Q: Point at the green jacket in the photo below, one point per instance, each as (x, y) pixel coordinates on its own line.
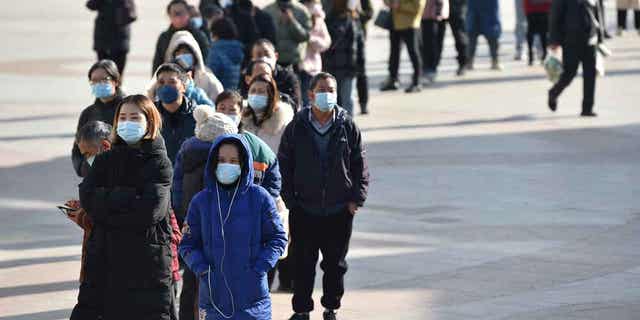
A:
(291, 37)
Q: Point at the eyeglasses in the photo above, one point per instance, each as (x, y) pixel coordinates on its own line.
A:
(105, 80)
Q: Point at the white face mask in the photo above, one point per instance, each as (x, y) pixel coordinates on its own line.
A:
(91, 159)
(235, 118)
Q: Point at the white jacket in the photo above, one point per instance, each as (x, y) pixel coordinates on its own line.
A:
(272, 129)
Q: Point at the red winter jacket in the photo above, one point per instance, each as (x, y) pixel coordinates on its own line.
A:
(176, 237)
(537, 6)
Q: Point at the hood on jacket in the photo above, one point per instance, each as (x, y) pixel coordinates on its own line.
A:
(186, 38)
(233, 49)
(246, 177)
(280, 118)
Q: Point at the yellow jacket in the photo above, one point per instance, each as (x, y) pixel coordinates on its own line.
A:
(408, 14)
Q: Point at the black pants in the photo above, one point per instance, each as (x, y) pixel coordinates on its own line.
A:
(119, 57)
(362, 81)
(311, 235)
(432, 43)
(457, 22)
(410, 38)
(189, 296)
(537, 23)
(572, 56)
(89, 306)
(622, 19)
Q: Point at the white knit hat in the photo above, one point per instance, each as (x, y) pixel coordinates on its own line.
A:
(211, 124)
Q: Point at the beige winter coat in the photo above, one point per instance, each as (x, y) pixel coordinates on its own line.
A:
(271, 130)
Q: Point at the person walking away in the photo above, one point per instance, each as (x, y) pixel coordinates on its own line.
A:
(105, 81)
(537, 24)
(226, 53)
(576, 28)
(406, 24)
(436, 13)
(458, 24)
(178, 11)
(232, 281)
(319, 42)
(112, 29)
(324, 182)
(623, 6)
(293, 24)
(483, 18)
(266, 116)
(183, 46)
(342, 57)
(126, 195)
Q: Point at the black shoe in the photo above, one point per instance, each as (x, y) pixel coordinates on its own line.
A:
(329, 315)
(416, 87)
(588, 114)
(299, 316)
(607, 35)
(461, 71)
(390, 85)
(552, 102)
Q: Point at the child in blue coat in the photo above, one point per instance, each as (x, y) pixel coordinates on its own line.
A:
(232, 236)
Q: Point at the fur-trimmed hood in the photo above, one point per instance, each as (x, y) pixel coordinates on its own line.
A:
(271, 130)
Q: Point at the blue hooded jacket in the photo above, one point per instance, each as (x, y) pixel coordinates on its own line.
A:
(483, 17)
(225, 60)
(237, 253)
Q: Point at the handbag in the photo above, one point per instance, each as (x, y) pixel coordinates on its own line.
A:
(384, 19)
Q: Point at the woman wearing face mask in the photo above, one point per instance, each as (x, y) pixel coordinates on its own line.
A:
(104, 80)
(232, 236)
(127, 197)
(266, 116)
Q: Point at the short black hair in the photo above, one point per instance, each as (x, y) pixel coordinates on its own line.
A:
(224, 29)
(109, 67)
(94, 132)
(321, 76)
(229, 94)
(174, 2)
(172, 67)
(264, 42)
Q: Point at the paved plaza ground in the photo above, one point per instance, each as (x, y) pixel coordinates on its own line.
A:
(483, 204)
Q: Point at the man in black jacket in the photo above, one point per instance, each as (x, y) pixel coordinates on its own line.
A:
(112, 29)
(178, 11)
(576, 27)
(324, 182)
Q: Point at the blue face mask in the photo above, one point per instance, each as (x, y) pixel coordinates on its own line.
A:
(131, 132)
(102, 90)
(167, 94)
(228, 173)
(325, 101)
(257, 102)
(196, 22)
(187, 59)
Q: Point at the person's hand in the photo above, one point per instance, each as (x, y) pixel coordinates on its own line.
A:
(353, 208)
(73, 204)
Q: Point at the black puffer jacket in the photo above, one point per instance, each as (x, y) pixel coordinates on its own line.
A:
(98, 111)
(128, 263)
(347, 42)
(112, 30)
(178, 126)
(305, 184)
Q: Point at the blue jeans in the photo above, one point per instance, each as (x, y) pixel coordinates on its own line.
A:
(521, 25)
(345, 93)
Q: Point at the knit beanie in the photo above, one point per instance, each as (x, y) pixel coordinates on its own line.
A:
(211, 124)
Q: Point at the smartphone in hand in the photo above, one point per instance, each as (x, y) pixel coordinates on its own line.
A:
(65, 209)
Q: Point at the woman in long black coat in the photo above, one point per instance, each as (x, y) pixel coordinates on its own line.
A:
(127, 195)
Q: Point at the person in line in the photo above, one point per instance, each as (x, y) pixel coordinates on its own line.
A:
(127, 196)
(342, 58)
(226, 53)
(483, 18)
(105, 81)
(406, 28)
(324, 181)
(184, 47)
(174, 107)
(434, 18)
(253, 24)
(319, 42)
(293, 24)
(287, 80)
(211, 13)
(575, 26)
(112, 29)
(197, 22)
(194, 93)
(266, 116)
(178, 11)
(623, 6)
(537, 12)
(232, 236)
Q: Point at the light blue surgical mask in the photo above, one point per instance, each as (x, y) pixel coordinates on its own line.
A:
(325, 101)
(228, 173)
(258, 102)
(102, 90)
(235, 118)
(131, 132)
(196, 22)
(187, 59)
